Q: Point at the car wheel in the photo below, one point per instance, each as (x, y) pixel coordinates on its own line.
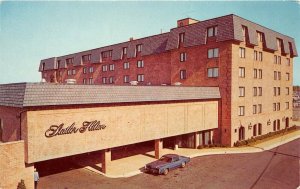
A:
(183, 164)
(166, 171)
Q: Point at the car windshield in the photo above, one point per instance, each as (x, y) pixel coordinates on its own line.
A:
(165, 159)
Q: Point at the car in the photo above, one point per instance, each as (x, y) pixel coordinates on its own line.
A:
(166, 163)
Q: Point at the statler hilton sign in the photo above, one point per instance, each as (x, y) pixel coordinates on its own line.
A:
(55, 130)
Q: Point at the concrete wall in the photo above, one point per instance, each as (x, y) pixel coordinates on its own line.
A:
(124, 125)
(12, 166)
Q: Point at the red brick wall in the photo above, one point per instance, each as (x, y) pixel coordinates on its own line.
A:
(11, 123)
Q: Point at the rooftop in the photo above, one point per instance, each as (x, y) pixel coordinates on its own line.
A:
(45, 94)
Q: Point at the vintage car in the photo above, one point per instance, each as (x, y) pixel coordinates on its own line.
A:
(166, 163)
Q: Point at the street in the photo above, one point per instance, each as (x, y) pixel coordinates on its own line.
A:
(276, 168)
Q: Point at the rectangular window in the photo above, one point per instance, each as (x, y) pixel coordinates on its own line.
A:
(111, 79)
(275, 91)
(139, 48)
(106, 54)
(260, 73)
(182, 57)
(124, 50)
(275, 75)
(213, 53)
(255, 73)
(287, 90)
(126, 65)
(181, 37)
(111, 67)
(259, 108)
(86, 58)
(212, 31)
(242, 52)
(287, 76)
(140, 63)
(254, 109)
(84, 70)
(84, 81)
(275, 59)
(126, 78)
(213, 72)
(279, 59)
(69, 72)
(91, 69)
(90, 81)
(260, 36)
(287, 105)
(241, 111)
(140, 77)
(278, 106)
(259, 91)
(279, 75)
(69, 60)
(182, 74)
(278, 91)
(241, 72)
(241, 91)
(73, 72)
(260, 56)
(254, 91)
(104, 68)
(274, 106)
(104, 80)
(255, 55)
(288, 62)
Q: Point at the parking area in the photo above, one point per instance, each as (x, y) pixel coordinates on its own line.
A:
(276, 168)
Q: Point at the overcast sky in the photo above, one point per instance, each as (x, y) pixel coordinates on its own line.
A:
(31, 31)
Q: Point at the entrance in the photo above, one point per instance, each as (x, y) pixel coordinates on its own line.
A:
(287, 122)
(241, 133)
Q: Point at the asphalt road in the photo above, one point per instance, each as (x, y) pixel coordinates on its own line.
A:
(277, 168)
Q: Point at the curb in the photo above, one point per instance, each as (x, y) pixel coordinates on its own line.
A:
(239, 150)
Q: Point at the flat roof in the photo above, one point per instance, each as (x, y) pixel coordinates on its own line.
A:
(47, 94)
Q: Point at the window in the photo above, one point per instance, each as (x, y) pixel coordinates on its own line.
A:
(90, 81)
(259, 129)
(43, 66)
(126, 65)
(279, 75)
(182, 74)
(275, 91)
(69, 60)
(259, 108)
(124, 51)
(241, 111)
(278, 106)
(275, 59)
(104, 68)
(181, 37)
(260, 73)
(212, 31)
(260, 56)
(255, 73)
(241, 91)
(84, 81)
(111, 79)
(254, 129)
(279, 59)
(126, 78)
(244, 28)
(106, 54)
(275, 75)
(140, 77)
(255, 55)
(254, 109)
(91, 69)
(73, 72)
(140, 63)
(260, 36)
(287, 90)
(58, 64)
(104, 80)
(274, 106)
(241, 72)
(259, 91)
(213, 53)
(69, 72)
(254, 91)
(288, 62)
(86, 58)
(139, 48)
(213, 72)
(84, 70)
(182, 57)
(287, 76)
(111, 67)
(242, 52)
(279, 42)
(287, 105)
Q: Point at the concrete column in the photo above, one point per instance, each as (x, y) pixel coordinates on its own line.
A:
(176, 143)
(197, 139)
(158, 148)
(106, 160)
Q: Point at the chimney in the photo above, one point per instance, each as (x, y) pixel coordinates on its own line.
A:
(131, 39)
(186, 21)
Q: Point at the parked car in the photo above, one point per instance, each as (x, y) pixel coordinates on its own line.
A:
(166, 163)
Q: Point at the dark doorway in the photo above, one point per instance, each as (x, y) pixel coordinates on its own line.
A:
(287, 122)
(254, 130)
(241, 133)
(278, 124)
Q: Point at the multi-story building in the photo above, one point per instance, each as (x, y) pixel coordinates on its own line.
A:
(251, 64)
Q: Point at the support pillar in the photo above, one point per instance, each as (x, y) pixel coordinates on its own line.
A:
(197, 139)
(106, 160)
(158, 148)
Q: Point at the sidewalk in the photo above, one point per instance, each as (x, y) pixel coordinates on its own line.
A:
(133, 165)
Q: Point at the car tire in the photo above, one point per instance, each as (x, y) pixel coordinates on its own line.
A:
(166, 171)
(182, 164)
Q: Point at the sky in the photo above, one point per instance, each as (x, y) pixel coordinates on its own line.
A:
(35, 30)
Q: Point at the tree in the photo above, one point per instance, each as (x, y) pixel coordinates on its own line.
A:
(21, 185)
